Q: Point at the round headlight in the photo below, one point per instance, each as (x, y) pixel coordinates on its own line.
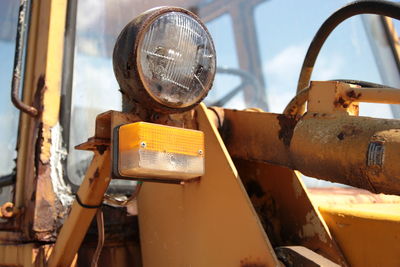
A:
(165, 60)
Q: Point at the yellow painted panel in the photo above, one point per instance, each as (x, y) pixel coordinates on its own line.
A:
(368, 234)
(210, 222)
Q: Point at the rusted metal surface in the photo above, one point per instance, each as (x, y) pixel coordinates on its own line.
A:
(374, 95)
(122, 245)
(92, 189)
(332, 97)
(19, 49)
(346, 96)
(206, 223)
(36, 209)
(249, 262)
(257, 135)
(357, 151)
(91, 192)
(287, 125)
(105, 123)
(285, 210)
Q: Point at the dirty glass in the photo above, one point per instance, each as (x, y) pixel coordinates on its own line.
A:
(260, 47)
(8, 113)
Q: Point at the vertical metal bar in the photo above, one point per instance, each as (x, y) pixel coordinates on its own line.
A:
(91, 192)
(19, 48)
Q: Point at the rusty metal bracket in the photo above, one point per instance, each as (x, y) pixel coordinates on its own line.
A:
(19, 47)
(92, 190)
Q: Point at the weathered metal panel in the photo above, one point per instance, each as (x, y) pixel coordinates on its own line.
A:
(206, 223)
(367, 233)
(286, 212)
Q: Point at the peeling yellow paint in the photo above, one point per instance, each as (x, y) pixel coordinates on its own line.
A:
(45, 145)
(313, 227)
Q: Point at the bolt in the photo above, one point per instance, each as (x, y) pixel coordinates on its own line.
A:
(143, 144)
(6, 210)
(200, 152)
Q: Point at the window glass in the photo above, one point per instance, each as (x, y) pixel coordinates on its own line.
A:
(260, 49)
(8, 113)
(226, 60)
(345, 55)
(95, 89)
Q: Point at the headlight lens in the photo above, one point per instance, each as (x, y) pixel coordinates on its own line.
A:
(177, 60)
(174, 59)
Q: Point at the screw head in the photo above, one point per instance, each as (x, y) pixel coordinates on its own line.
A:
(200, 152)
(143, 144)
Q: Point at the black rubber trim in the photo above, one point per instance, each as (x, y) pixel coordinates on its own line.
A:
(85, 205)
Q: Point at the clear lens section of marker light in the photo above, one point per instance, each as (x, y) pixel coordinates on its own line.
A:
(177, 60)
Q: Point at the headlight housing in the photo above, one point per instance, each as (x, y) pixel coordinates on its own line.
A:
(165, 60)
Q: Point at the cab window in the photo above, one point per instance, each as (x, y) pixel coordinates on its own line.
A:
(9, 115)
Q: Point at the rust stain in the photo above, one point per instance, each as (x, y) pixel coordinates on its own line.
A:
(44, 136)
(340, 102)
(248, 262)
(345, 102)
(101, 149)
(226, 130)
(253, 188)
(95, 176)
(350, 130)
(97, 173)
(340, 136)
(287, 125)
(265, 206)
(313, 227)
(41, 87)
(352, 95)
(297, 189)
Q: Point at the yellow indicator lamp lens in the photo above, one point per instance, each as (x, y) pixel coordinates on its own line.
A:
(147, 150)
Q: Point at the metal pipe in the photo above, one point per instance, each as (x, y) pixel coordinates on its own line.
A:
(19, 48)
(374, 95)
(357, 151)
(384, 8)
